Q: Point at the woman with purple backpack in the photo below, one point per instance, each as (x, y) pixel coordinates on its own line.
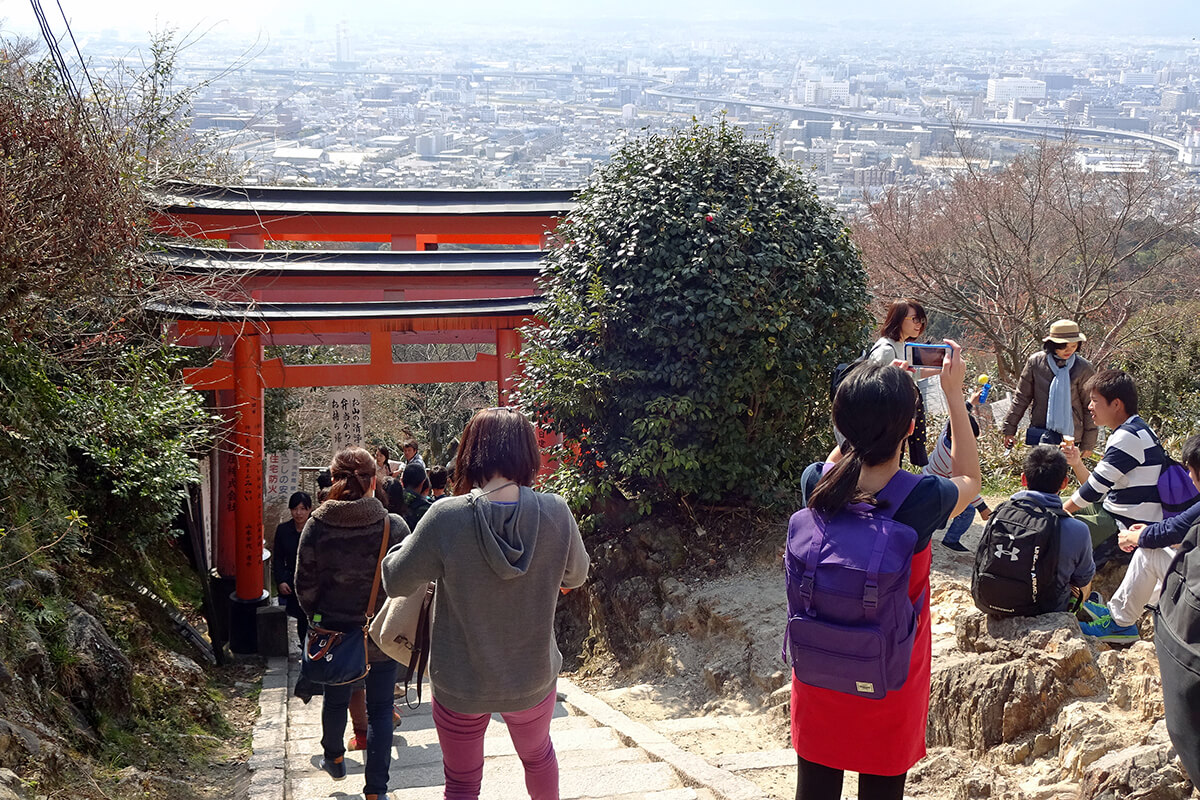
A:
(877, 731)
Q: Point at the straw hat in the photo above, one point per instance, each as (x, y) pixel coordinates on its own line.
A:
(1065, 331)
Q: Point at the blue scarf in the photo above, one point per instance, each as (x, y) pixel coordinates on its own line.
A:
(1058, 410)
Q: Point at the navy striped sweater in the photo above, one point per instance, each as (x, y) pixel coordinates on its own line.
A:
(1126, 479)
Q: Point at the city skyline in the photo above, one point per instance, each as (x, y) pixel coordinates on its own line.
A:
(1174, 18)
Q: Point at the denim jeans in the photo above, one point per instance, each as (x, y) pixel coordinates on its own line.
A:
(461, 739)
(958, 525)
(380, 681)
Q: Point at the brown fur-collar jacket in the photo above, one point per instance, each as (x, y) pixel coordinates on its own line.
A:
(336, 560)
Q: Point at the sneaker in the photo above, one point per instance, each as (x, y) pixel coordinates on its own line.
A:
(957, 547)
(1094, 611)
(357, 742)
(336, 767)
(1106, 630)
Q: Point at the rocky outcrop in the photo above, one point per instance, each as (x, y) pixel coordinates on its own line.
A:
(101, 680)
(1008, 678)
(1147, 770)
(17, 743)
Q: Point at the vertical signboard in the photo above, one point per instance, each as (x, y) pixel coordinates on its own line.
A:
(282, 476)
(345, 410)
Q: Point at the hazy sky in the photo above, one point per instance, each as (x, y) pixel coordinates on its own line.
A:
(1153, 17)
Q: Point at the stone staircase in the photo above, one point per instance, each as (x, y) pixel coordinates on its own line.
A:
(602, 754)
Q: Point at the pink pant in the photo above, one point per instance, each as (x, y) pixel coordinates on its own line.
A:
(461, 738)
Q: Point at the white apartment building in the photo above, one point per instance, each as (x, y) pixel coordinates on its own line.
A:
(826, 93)
(1002, 91)
(1130, 78)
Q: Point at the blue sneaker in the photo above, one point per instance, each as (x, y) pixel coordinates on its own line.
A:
(1108, 631)
(1095, 611)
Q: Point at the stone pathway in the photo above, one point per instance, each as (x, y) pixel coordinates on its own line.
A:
(602, 754)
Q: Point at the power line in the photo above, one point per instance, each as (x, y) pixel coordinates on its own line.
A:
(60, 64)
(83, 67)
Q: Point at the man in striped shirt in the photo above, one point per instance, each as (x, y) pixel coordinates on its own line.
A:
(1121, 492)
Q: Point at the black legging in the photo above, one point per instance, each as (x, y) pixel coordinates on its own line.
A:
(817, 782)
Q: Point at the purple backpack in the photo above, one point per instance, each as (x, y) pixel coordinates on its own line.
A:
(1175, 489)
(851, 626)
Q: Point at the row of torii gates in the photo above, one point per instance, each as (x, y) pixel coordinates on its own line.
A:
(253, 297)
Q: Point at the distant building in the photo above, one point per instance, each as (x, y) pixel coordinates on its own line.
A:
(1129, 78)
(1178, 99)
(826, 93)
(1002, 91)
(344, 54)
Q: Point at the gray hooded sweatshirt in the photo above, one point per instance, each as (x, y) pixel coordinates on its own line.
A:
(498, 567)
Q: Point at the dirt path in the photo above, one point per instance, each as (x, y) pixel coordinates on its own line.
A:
(716, 686)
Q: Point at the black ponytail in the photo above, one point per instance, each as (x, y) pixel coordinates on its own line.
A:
(873, 408)
(838, 487)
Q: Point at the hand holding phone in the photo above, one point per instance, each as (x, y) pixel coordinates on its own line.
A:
(926, 356)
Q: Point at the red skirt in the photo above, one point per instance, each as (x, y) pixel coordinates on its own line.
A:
(878, 737)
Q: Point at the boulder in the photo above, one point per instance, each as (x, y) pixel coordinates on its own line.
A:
(46, 581)
(11, 786)
(1143, 771)
(16, 744)
(1087, 732)
(102, 678)
(184, 669)
(32, 658)
(1133, 680)
(1008, 678)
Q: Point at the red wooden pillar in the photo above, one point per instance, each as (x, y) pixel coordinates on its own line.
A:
(248, 442)
(404, 241)
(246, 241)
(508, 364)
(226, 501)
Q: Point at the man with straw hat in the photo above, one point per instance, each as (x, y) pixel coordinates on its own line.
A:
(1052, 389)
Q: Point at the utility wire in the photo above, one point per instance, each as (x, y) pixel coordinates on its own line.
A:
(60, 64)
(83, 67)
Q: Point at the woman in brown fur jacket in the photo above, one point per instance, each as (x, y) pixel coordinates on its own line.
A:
(336, 560)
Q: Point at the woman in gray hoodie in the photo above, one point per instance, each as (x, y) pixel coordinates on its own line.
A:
(500, 552)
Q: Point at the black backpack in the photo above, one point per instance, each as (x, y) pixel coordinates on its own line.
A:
(841, 371)
(1177, 642)
(1017, 560)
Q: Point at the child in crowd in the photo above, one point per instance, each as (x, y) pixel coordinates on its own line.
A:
(1154, 547)
(1123, 489)
(1044, 476)
(941, 464)
(437, 482)
(416, 486)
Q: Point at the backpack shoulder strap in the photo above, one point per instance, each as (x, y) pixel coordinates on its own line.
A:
(897, 490)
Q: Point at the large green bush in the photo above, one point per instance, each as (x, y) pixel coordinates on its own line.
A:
(695, 303)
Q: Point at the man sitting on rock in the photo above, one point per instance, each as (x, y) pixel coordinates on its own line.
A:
(1154, 548)
(1044, 476)
(1123, 489)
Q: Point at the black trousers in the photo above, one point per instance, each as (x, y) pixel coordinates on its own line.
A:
(818, 782)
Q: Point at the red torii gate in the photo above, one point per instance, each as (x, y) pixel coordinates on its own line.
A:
(408, 219)
(341, 297)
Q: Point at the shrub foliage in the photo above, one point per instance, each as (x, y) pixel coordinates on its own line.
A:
(695, 304)
(94, 422)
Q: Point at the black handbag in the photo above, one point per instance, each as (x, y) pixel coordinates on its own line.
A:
(334, 658)
(1036, 434)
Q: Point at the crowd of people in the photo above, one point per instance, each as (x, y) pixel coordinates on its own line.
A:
(499, 553)
(1117, 509)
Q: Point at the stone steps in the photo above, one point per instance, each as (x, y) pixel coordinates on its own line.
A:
(602, 754)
